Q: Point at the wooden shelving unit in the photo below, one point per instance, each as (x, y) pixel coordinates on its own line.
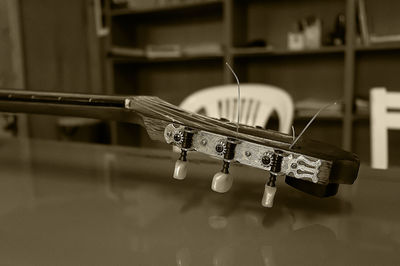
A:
(144, 60)
(121, 57)
(379, 47)
(243, 52)
(330, 73)
(196, 6)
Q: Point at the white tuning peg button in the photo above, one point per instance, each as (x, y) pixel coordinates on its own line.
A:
(221, 182)
(180, 170)
(269, 195)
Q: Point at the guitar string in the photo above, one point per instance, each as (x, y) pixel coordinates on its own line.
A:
(163, 106)
(199, 121)
(152, 107)
(238, 98)
(203, 122)
(309, 123)
(210, 124)
(177, 114)
(293, 133)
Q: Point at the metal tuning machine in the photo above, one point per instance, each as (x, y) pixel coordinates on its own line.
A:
(274, 161)
(222, 181)
(294, 166)
(184, 139)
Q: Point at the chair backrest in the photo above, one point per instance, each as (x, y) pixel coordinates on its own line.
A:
(383, 117)
(258, 101)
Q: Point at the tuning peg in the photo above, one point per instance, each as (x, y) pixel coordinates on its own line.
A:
(180, 170)
(269, 195)
(270, 187)
(222, 181)
(181, 165)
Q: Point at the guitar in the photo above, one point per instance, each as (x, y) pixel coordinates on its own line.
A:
(310, 166)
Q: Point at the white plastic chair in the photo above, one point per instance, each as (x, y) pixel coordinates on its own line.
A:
(381, 121)
(258, 101)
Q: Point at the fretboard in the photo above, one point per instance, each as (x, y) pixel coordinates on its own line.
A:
(62, 98)
(67, 104)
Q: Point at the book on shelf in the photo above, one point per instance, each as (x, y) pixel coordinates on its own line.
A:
(127, 51)
(154, 51)
(385, 38)
(362, 22)
(169, 50)
(150, 4)
(310, 106)
(202, 49)
(362, 106)
(141, 4)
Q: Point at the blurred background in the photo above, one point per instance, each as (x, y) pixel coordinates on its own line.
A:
(317, 51)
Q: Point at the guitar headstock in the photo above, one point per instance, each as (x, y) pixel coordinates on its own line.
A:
(312, 167)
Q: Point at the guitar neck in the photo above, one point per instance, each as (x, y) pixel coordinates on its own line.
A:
(153, 114)
(131, 109)
(68, 104)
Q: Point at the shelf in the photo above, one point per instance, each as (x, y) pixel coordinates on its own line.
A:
(135, 55)
(379, 47)
(166, 9)
(265, 51)
(144, 60)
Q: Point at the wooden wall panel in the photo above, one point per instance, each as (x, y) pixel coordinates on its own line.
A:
(11, 60)
(58, 52)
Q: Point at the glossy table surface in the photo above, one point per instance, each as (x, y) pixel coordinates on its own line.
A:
(80, 204)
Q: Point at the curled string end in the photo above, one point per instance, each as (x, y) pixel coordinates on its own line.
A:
(238, 99)
(293, 133)
(309, 123)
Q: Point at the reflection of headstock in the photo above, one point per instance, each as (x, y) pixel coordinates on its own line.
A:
(310, 166)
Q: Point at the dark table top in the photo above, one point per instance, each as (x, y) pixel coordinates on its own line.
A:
(80, 204)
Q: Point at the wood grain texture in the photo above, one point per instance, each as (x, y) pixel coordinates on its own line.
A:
(11, 61)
